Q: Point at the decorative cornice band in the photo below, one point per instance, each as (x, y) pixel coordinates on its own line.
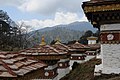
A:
(111, 7)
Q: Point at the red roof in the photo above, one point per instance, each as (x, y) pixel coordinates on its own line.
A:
(78, 45)
(41, 50)
(61, 47)
(15, 64)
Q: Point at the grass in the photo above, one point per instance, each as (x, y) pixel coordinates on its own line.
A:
(84, 71)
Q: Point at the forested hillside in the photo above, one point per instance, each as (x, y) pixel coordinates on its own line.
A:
(62, 33)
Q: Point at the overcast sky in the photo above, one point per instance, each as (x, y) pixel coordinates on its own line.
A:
(44, 13)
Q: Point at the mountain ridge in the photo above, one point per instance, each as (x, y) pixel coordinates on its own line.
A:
(79, 26)
(69, 32)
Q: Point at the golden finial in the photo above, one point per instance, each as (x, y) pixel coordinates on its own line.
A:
(76, 42)
(94, 22)
(58, 41)
(43, 41)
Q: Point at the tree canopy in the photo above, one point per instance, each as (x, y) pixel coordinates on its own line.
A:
(83, 38)
(9, 33)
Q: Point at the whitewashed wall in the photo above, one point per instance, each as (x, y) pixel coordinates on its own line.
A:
(110, 58)
(110, 53)
(91, 41)
(62, 72)
(110, 27)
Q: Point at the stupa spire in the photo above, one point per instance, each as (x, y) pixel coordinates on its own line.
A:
(58, 40)
(43, 41)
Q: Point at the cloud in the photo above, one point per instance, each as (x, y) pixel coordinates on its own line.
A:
(60, 18)
(84, 18)
(11, 2)
(62, 11)
(40, 6)
(45, 6)
(51, 6)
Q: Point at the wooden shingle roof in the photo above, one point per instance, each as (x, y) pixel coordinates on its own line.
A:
(78, 46)
(61, 47)
(15, 64)
(41, 50)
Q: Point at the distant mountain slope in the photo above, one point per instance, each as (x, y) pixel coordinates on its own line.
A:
(66, 33)
(63, 33)
(79, 26)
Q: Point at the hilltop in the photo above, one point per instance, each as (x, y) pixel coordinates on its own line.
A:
(68, 32)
